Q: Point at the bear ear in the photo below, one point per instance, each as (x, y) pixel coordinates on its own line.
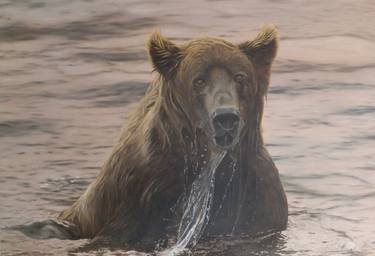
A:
(165, 55)
(262, 51)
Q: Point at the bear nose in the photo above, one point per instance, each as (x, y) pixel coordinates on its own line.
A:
(225, 120)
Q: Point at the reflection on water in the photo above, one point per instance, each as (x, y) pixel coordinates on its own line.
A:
(71, 70)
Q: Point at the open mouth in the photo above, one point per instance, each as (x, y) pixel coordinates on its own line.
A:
(226, 126)
(224, 141)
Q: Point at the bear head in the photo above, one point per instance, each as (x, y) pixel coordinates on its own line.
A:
(215, 84)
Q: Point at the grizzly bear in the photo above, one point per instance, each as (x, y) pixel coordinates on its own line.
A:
(208, 96)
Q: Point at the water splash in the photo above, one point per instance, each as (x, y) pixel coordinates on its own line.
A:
(197, 208)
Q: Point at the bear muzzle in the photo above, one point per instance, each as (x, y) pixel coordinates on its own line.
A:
(226, 123)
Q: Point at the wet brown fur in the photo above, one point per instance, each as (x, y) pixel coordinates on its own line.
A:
(144, 175)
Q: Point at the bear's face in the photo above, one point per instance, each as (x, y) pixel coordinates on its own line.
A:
(218, 81)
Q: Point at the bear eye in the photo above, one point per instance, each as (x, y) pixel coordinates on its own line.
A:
(239, 78)
(199, 83)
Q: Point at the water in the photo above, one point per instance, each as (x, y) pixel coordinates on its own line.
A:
(197, 208)
(71, 70)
